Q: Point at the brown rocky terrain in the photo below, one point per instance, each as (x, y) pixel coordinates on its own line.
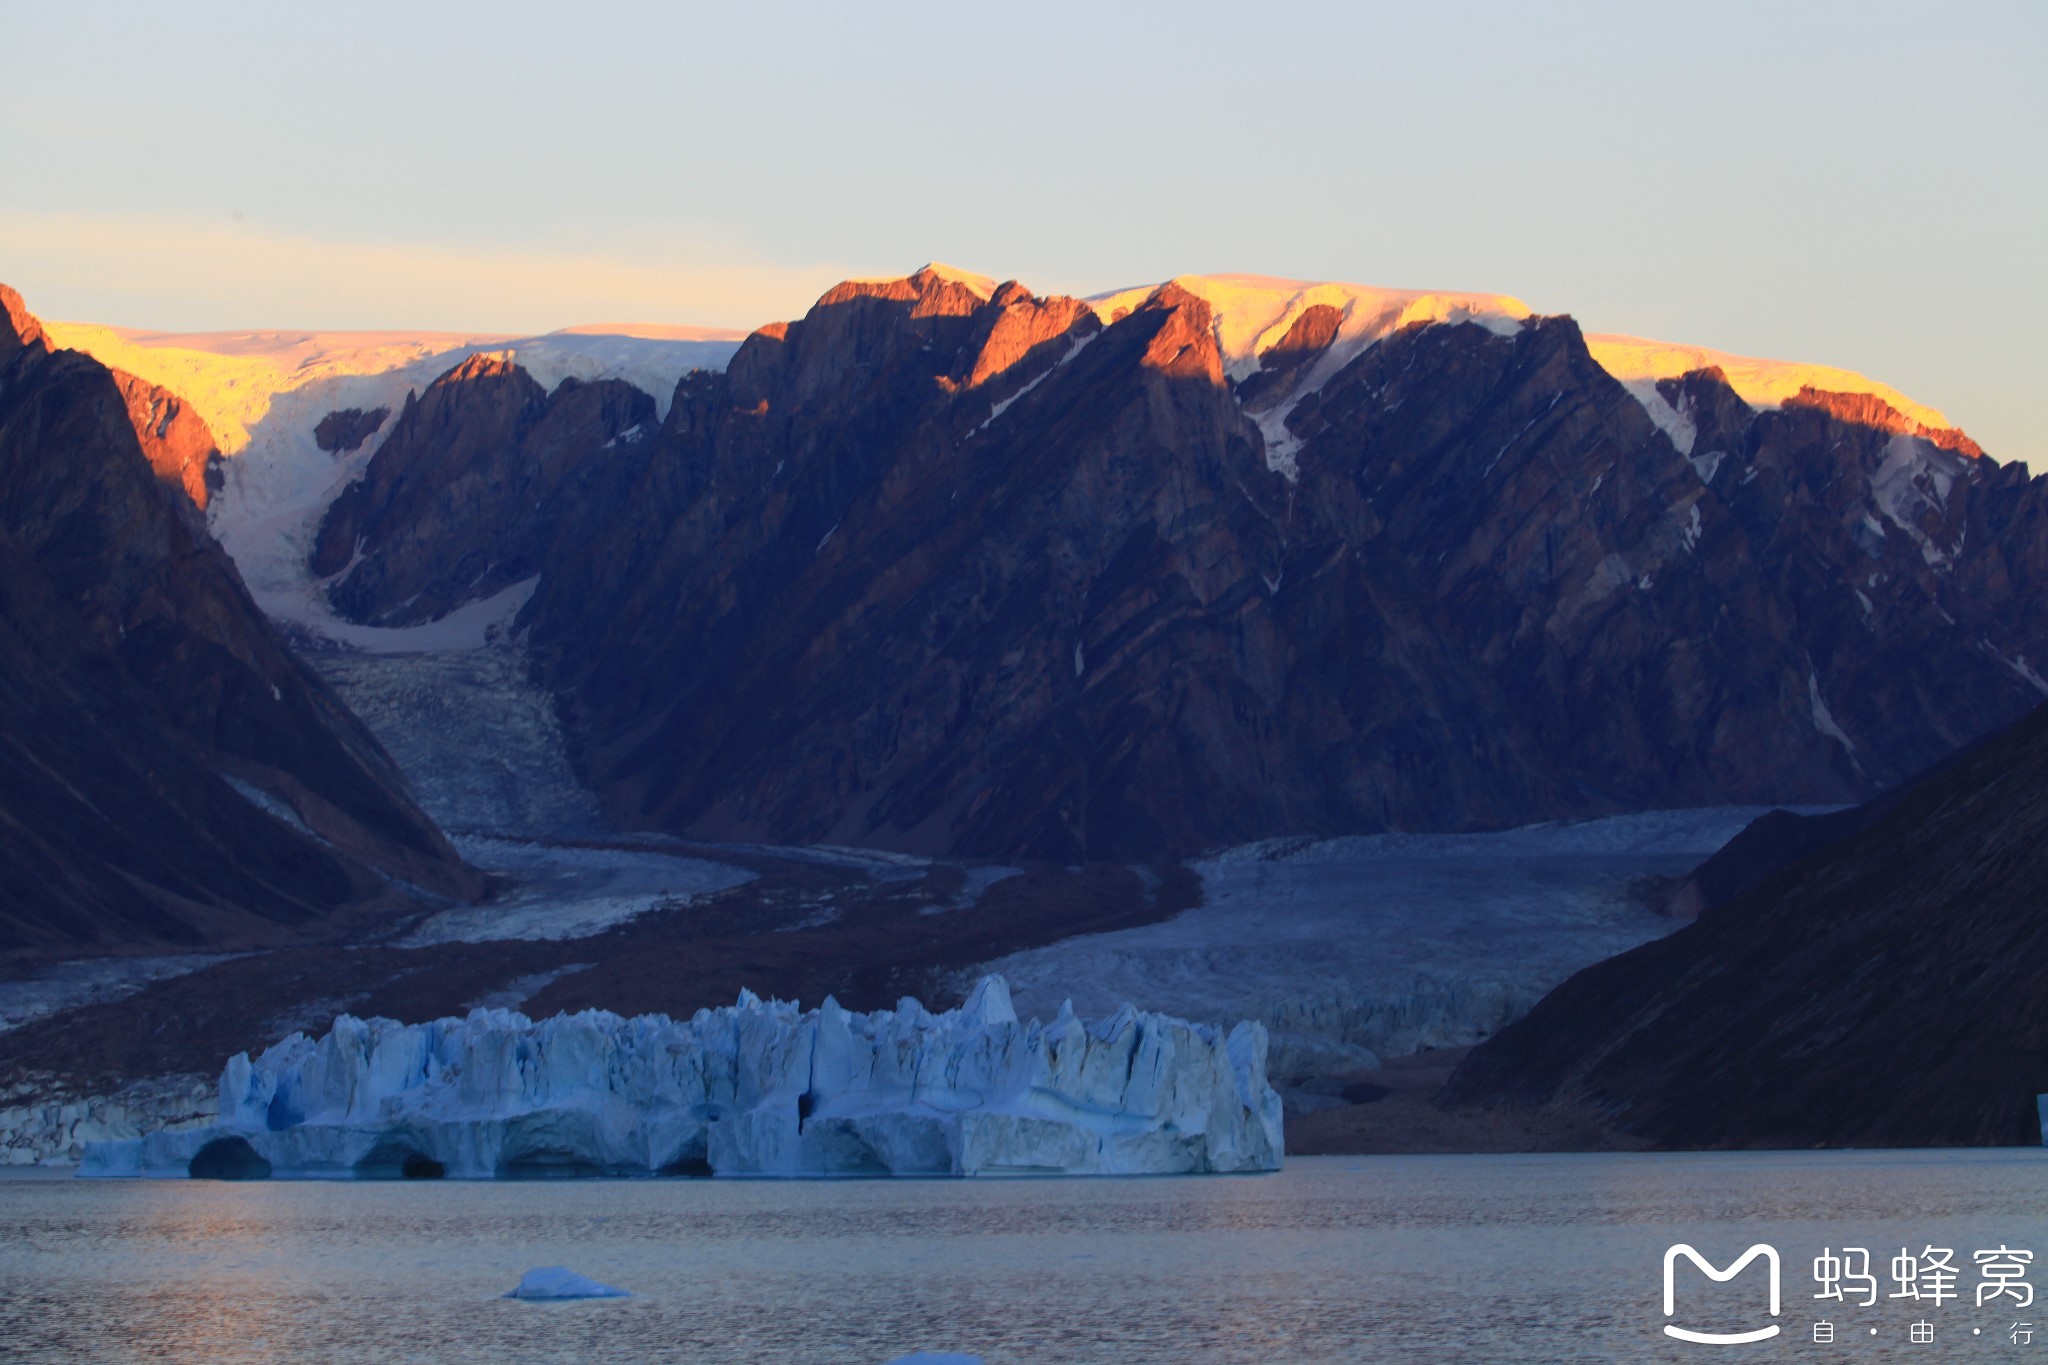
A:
(1864, 409)
(1889, 990)
(141, 678)
(986, 576)
(799, 931)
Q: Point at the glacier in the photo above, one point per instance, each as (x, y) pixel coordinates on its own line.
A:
(1359, 948)
(752, 1089)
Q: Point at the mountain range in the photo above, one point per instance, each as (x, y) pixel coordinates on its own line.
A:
(950, 567)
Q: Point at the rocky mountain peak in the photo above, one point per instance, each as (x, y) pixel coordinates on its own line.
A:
(1185, 346)
(934, 291)
(1871, 410)
(178, 444)
(1019, 323)
(981, 285)
(469, 485)
(21, 329)
(483, 365)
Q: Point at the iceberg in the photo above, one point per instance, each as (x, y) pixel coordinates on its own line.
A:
(554, 1283)
(754, 1089)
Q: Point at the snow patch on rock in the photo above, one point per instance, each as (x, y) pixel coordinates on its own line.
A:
(2018, 664)
(1666, 416)
(996, 410)
(1915, 479)
(1823, 718)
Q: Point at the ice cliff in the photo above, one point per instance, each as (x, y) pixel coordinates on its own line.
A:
(755, 1089)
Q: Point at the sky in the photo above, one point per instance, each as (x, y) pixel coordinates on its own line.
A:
(1857, 184)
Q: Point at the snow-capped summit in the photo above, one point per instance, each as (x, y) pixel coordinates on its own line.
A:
(266, 393)
(1642, 366)
(1260, 320)
(979, 284)
(1253, 314)
(1760, 383)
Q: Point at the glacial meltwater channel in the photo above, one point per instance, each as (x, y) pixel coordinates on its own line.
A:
(1481, 1258)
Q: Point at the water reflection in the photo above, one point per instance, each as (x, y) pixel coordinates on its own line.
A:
(1338, 1259)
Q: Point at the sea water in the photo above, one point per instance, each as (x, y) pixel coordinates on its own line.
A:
(1496, 1258)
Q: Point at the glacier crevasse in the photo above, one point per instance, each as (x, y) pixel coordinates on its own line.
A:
(754, 1089)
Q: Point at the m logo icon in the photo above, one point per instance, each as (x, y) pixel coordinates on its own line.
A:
(1671, 1255)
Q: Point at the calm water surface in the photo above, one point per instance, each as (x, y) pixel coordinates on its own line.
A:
(1535, 1258)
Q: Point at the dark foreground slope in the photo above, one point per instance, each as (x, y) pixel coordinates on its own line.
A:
(136, 677)
(1890, 990)
(992, 576)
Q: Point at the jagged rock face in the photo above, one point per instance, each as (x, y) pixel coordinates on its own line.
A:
(117, 560)
(1890, 990)
(1869, 410)
(754, 1089)
(174, 439)
(833, 513)
(467, 492)
(1747, 624)
(982, 575)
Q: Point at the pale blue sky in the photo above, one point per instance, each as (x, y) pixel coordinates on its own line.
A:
(1859, 184)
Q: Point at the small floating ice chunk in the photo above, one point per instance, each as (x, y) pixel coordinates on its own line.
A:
(553, 1282)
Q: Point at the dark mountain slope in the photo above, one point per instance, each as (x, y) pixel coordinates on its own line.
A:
(158, 629)
(113, 831)
(1890, 990)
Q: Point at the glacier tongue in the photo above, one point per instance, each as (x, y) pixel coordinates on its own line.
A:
(757, 1089)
